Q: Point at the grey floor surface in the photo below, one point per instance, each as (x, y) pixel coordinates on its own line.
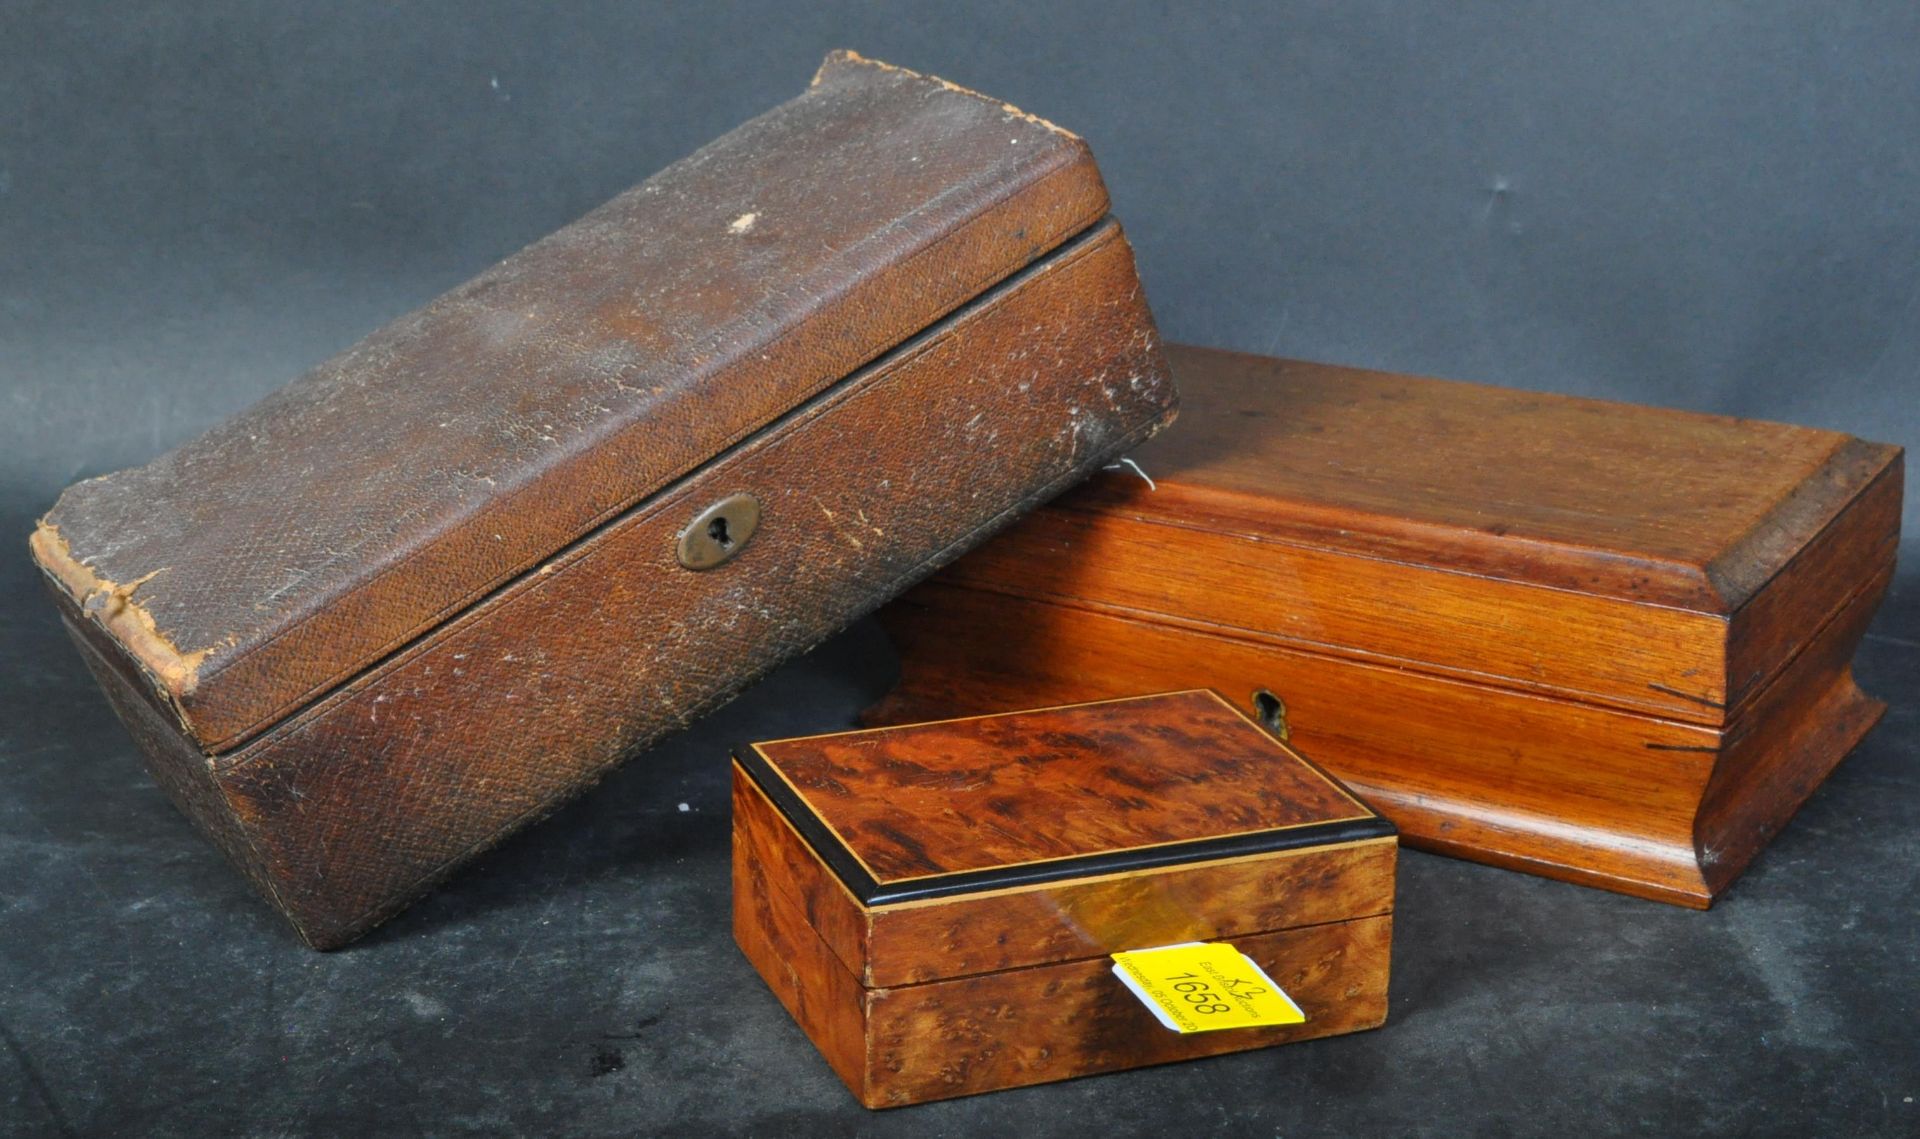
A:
(581, 980)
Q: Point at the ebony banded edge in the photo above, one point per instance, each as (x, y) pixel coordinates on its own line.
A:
(869, 892)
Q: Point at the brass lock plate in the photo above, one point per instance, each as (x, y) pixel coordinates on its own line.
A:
(719, 532)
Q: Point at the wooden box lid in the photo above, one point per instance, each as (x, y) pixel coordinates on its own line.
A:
(1645, 504)
(1661, 561)
(1010, 840)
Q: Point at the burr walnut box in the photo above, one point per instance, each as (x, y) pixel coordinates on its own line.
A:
(1599, 642)
(425, 593)
(936, 903)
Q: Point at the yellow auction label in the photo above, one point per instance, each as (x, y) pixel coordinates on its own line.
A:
(1203, 986)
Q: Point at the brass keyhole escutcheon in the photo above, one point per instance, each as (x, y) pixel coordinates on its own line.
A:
(1271, 711)
(719, 532)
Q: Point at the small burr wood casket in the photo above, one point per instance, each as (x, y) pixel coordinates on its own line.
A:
(1598, 642)
(936, 903)
(425, 593)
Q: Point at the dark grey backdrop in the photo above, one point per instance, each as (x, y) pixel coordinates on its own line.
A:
(1706, 205)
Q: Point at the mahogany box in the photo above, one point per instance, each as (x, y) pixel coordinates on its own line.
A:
(936, 903)
(431, 589)
(1604, 643)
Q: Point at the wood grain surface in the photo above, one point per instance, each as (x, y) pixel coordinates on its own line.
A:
(908, 1036)
(1549, 640)
(1572, 791)
(1038, 924)
(1621, 500)
(1029, 1026)
(1598, 642)
(988, 792)
(1651, 560)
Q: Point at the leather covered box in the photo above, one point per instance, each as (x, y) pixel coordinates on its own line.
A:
(1598, 642)
(936, 904)
(436, 586)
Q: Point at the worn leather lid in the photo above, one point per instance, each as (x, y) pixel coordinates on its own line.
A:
(987, 803)
(258, 566)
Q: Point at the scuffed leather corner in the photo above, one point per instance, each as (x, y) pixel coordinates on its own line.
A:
(113, 607)
(847, 57)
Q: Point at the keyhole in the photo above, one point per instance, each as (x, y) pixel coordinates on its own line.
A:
(1271, 711)
(719, 533)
